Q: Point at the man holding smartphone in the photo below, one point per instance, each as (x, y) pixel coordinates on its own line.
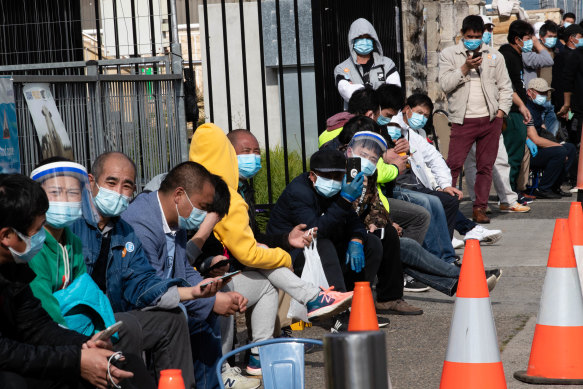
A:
(479, 94)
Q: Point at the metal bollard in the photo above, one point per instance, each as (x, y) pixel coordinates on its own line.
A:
(356, 360)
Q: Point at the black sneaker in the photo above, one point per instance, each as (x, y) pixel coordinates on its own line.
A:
(562, 193)
(414, 286)
(340, 322)
(546, 194)
(525, 200)
(286, 332)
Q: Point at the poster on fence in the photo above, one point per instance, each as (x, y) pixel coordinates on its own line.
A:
(9, 152)
(50, 129)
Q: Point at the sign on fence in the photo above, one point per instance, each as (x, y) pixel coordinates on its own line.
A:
(9, 152)
(50, 129)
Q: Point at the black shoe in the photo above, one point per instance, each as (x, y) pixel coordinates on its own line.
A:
(494, 272)
(562, 193)
(383, 321)
(524, 200)
(286, 332)
(340, 322)
(545, 194)
(414, 286)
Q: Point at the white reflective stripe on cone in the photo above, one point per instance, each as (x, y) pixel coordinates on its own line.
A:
(561, 303)
(579, 258)
(472, 337)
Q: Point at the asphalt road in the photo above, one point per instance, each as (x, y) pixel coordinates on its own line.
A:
(416, 345)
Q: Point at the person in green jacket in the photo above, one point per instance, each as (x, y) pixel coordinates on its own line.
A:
(60, 260)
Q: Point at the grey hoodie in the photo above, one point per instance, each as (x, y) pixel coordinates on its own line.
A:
(380, 72)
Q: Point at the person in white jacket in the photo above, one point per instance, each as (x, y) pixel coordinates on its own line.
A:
(417, 186)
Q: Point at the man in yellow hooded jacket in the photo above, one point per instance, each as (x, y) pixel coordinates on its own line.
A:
(211, 148)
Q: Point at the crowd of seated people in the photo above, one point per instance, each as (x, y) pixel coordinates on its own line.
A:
(81, 249)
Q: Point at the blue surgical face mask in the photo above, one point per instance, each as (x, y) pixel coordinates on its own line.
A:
(487, 37)
(194, 219)
(363, 46)
(326, 186)
(579, 43)
(62, 213)
(540, 99)
(550, 42)
(472, 44)
(249, 165)
(366, 167)
(383, 121)
(566, 24)
(33, 245)
(394, 132)
(110, 203)
(417, 121)
(527, 47)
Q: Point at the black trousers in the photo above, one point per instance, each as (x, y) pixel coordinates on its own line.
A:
(390, 273)
(450, 204)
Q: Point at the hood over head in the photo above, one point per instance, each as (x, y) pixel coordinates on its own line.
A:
(360, 27)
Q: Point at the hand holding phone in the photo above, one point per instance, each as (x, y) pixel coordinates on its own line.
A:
(352, 168)
(109, 331)
(226, 278)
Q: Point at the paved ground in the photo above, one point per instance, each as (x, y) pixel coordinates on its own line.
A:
(416, 345)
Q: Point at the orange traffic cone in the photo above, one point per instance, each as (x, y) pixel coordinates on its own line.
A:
(576, 231)
(555, 356)
(171, 379)
(363, 316)
(473, 358)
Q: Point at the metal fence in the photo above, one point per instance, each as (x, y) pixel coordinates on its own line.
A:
(131, 103)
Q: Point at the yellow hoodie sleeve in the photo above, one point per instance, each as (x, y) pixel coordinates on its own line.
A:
(211, 148)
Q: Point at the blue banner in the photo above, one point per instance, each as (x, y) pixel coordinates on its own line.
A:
(9, 152)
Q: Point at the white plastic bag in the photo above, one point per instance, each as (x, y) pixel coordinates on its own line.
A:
(312, 273)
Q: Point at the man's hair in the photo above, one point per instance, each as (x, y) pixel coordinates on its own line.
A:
(46, 161)
(569, 15)
(222, 199)
(356, 124)
(474, 23)
(419, 99)
(391, 96)
(362, 101)
(548, 26)
(21, 201)
(188, 175)
(97, 166)
(518, 29)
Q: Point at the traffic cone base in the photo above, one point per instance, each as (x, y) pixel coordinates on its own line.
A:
(556, 359)
(459, 375)
(363, 315)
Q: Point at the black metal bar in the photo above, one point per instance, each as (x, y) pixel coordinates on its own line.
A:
(188, 34)
(244, 60)
(264, 97)
(318, 64)
(135, 35)
(226, 55)
(300, 90)
(208, 60)
(281, 91)
(168, 7)
(115, 28)
(152, 30)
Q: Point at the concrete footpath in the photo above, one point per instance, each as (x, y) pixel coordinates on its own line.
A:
(416, 345)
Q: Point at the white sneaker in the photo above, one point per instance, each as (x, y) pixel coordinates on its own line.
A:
(233, 379)
(456, 243)
(484, 235)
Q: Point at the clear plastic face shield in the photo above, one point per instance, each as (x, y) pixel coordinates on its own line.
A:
(67, 187)
(369, 146)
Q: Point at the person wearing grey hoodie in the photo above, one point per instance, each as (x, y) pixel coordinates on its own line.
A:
(366, 64)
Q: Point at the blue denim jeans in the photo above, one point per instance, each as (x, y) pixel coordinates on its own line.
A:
(550, 118)
(205, 340)
(427, 268)
(437, 240)
(463, 225)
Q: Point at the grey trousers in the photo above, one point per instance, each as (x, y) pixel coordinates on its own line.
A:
(164, 334)
(413, 218)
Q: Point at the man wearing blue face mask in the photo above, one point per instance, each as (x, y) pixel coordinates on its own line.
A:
(547, 154)
(479, 94)
(520, 41)
(366, 64)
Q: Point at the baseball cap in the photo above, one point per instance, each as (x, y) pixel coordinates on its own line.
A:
(539, 85)
(328, 160)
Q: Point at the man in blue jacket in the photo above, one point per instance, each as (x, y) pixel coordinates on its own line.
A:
(115, 259)
(157, 219)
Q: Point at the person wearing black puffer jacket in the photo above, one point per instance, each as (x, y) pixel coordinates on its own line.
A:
(35, 352)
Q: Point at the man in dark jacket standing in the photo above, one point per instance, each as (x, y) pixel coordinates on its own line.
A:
(34, 350)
